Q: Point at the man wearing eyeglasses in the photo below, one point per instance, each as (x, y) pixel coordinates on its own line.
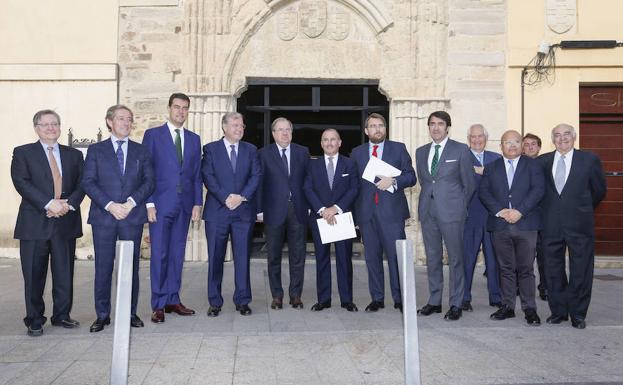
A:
(381, 209)
(445, 171)
(176, 159)
(231, 172)
(283, 209)
(47, 176)
(511, 189)
(119, 178)
(574, 186)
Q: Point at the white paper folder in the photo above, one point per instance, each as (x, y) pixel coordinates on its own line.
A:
(344, 228)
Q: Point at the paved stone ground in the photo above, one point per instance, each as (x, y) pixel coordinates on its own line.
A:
(300, 347)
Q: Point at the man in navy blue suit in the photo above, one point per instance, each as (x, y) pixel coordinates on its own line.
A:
(574, 186)
(475, 232)
(511, 189)
(381, 214)
(47, 176)
(176, 159)
(283, 209)
(231, 172)
(331, 187)
(118, 177)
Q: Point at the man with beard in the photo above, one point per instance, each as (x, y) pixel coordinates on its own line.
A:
(445, 171)
(381, 214)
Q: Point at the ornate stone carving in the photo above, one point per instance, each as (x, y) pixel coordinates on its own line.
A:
(288, 24)
(561, 15)
(313, 17)
(338, 26)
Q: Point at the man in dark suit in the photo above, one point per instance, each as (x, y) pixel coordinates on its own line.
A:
(531, 145)
(511, 189)
(231, 172)
(331, 187)
(176, 159)
(47, 176)
(119, 178)
(445, 172)
(283, 209)
(574, 186)
(381, 214)
(475, 233)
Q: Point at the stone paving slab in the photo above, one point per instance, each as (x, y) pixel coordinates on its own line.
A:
(300, 347)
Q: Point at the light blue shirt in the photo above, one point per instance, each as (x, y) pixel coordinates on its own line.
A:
(379, 149)
(57, 155)
(124, 148)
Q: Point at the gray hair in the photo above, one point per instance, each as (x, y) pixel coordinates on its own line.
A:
(565, 125)
(230, 116)
(280, 119)
(39, 114)
(484, 130)
(110, 113)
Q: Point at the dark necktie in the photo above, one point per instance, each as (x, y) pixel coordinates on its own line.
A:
(233, 157)
(435, 163)
(178, 146)
(284, 159)
(120, 155)
(56, 174)
(374, 154)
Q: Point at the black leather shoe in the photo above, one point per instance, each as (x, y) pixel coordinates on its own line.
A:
(277, 303)
(467, 306)
(136, 322)
(578, 323)
(349, 306)
(319, 306)
(496, 304)
(503, 313)
(98, 325)
(67, 323)
(374, 306)
(532, 318)
(453, 314)
(213, 311)
(429, 309)
(398, 305)
(296, 302)
(556, 319)
(243, 309)
(35, 331)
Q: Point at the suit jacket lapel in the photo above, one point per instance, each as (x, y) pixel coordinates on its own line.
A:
(520, 166)
(169, 145)
(42, 158)
(112, 156)
(65, 167)
(276, 155)
(424, 158)
(339, 170)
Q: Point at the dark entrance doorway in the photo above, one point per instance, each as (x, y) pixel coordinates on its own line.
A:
(601, 131)
(311, 108)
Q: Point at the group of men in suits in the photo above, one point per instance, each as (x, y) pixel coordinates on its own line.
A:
(160, 182)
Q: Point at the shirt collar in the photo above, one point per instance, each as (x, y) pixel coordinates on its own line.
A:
(442, 143)
(114, 139)
(227, 144)
(172, 128)
(54, 146)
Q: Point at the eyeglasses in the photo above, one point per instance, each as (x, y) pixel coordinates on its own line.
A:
(376, 126)
(511, 143)
(48, 125)
(283, 129)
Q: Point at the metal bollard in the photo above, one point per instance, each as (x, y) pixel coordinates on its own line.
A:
(121, 340)
(404, 249)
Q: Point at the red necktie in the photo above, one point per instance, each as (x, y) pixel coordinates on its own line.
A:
(374, 154)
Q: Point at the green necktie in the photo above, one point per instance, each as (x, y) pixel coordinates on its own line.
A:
(435, 163)
(178, 145)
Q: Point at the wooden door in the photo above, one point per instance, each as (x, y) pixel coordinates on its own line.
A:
(601, 131)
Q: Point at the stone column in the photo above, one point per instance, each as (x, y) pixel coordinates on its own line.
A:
(408, 125)
(204, 118)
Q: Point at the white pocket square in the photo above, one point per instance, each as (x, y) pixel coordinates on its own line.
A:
(450, 160)
(343, 175)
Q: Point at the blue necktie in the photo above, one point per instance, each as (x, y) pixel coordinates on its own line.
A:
(479, 156)
(120, 155)
(233, 157)
(284, 159)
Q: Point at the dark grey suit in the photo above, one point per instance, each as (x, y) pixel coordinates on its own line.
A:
(442, 210)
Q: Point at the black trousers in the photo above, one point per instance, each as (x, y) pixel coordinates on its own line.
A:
(275, 236)
(515, 250)
(570, 295)
(34, 255)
